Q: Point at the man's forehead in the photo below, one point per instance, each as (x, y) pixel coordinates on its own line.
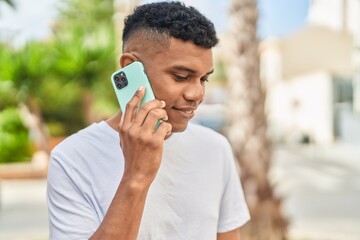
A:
(187, 56)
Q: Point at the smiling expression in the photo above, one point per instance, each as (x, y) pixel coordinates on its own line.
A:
(177, 74)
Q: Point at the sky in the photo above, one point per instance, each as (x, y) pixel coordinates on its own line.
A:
(281, 17)
(32, 19)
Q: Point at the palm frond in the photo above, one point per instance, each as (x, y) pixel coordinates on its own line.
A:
(11, 3)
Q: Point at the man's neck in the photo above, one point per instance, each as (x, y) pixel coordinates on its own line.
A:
(114, 121)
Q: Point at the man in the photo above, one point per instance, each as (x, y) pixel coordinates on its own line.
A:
(177, 182)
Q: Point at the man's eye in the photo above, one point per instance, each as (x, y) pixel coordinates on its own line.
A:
(180, 77)
(204, 79)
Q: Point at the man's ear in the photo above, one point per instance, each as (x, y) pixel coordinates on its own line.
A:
(126, 59)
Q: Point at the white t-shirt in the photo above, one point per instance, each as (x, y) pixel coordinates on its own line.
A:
(195, 195)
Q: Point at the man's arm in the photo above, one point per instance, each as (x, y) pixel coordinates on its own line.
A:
(123, 217)
(142, 149)
(231, 235)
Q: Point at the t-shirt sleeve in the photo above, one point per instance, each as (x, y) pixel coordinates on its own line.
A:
(70, 215)
(233, 209)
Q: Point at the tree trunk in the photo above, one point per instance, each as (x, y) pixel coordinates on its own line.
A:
(87, 101)
(32, 116)
(248, 126)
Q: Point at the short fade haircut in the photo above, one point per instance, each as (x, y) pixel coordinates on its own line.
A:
(171, 19)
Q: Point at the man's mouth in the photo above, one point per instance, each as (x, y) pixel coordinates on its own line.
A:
(186, 112)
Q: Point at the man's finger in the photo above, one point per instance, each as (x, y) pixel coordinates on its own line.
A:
(152, 118)
(163, 130)
(144, 110)
(120, 127)
(132, 106)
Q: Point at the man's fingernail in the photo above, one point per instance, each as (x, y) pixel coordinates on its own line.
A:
(163, 103)
(141, 88)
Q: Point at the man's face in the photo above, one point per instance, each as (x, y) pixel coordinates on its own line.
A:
(178, 76)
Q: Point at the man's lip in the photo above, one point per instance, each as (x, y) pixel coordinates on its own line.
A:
(185, 111)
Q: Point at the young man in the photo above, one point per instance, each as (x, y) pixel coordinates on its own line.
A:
(119, 179)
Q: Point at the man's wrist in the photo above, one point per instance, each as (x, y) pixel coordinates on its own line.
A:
(135, 184)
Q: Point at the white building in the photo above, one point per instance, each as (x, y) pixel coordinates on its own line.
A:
(312, 75)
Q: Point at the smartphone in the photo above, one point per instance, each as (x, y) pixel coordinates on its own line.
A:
(127, 81)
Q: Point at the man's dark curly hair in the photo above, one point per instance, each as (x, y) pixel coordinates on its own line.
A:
(173, 19)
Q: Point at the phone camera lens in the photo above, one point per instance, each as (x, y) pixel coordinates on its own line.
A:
(118, 85)
(120, 80)
(116, 78)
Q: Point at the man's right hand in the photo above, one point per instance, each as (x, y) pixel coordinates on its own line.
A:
(141, 145)
(142, 148)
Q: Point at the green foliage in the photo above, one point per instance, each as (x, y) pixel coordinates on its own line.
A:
(84, 41)
(14, 145)
(84, 49)
(7, 94)
(26, 68)
(62, 108)
(88, 15)
(51, 77)
(219, 75)
(84, 57)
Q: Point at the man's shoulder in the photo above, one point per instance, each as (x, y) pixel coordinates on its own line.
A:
(94, 134)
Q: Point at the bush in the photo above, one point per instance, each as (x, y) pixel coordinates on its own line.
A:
(15, 145)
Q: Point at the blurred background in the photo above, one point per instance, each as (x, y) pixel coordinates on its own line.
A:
(286, 93)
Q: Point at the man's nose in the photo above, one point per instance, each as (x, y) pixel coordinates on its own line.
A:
(195, 92)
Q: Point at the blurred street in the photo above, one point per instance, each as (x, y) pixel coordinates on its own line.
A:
(321, 190)
(23, 212)
(320, 187)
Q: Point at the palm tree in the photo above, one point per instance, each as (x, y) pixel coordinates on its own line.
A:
(248, 125)
(26, 68)
(86, 59)
(85, 47)
(9, 2)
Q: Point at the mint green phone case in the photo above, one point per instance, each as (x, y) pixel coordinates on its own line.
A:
(136, 77)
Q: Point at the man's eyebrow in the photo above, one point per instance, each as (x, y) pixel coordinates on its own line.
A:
(182, 68)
